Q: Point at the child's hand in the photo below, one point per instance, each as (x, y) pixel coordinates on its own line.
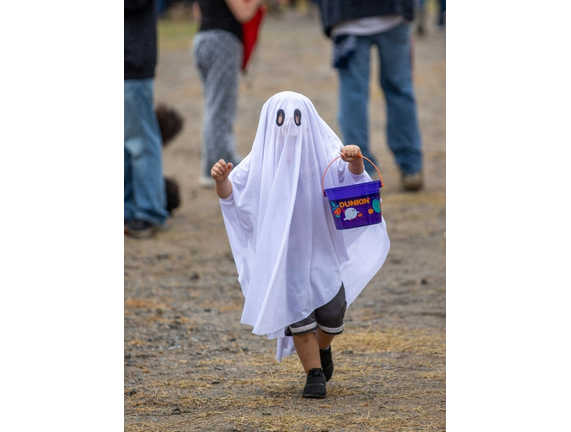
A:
(350, 152)
(221, 170)
(352, 155)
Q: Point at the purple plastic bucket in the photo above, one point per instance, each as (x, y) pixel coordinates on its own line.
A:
(355, 205)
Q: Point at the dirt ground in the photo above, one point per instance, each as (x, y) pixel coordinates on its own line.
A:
(189, 363)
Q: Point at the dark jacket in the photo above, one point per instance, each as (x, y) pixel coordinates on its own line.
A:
(335, 11)
(216, 15)
(140, 39)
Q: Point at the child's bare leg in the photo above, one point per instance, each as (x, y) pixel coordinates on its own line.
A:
(308, 351)
(323, 339)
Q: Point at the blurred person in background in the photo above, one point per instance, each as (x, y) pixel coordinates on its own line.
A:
(144, 188)
(355, 26)
(217, 52)
(442, 13)
(420, 12)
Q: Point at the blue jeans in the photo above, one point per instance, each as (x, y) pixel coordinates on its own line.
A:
(403, 135)
(144, 186)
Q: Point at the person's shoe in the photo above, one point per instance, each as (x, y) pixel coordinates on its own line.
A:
(412, 182)
(139, 228)
(206, 182)
(315, 385)
(326, 362)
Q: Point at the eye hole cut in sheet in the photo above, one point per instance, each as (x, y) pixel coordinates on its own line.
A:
(280, 117)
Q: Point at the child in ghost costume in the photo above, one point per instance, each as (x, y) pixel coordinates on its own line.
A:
(297, 272)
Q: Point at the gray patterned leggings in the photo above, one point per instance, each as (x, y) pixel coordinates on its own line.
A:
(218, 55)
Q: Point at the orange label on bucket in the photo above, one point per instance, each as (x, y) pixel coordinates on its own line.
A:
(355, 202)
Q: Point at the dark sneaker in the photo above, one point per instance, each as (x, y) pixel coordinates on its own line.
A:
(412, 182)
(326, 362)
(139, 228)
(315, 385)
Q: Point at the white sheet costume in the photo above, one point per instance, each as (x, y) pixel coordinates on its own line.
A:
(290, 258)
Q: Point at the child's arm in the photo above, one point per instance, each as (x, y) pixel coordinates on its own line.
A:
(352, 155)
(220, 172)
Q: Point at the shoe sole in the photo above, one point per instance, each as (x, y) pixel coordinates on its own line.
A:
(308, 394)
(313, 396)
(412, 188)
(142, 234)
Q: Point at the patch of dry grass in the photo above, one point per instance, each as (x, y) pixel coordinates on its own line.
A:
(392, 340)
(266, 396)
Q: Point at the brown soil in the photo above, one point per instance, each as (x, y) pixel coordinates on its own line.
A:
(189, 363)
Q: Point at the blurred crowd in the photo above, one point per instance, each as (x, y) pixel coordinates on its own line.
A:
(386, 26)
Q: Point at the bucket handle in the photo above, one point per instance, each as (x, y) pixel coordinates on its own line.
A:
(359, 155)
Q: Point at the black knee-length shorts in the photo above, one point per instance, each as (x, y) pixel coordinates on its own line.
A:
(329, 318)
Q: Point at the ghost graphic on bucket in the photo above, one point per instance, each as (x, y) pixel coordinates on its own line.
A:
(351, 213)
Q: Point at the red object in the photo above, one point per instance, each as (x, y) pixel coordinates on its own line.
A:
(250, 32)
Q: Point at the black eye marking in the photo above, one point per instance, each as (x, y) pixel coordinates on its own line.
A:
(297, 117)
(280, 117)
